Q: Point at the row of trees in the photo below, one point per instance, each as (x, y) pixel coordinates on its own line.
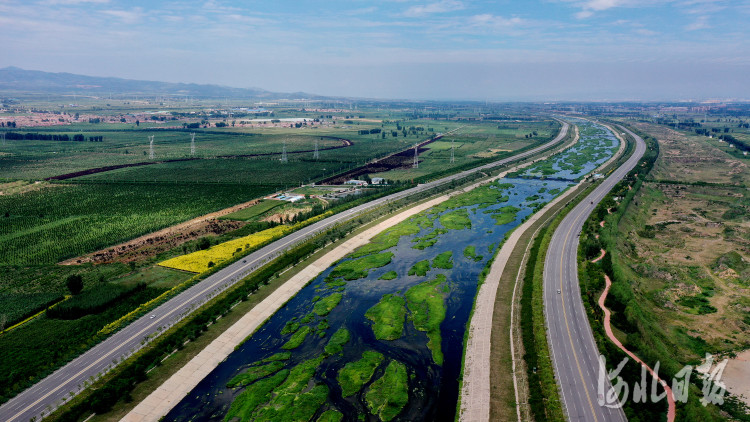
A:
(32, 136)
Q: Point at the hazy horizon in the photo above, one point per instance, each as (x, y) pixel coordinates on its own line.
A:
(554, 50)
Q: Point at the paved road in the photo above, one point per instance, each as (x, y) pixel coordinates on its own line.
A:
(43, 397)
(574, 353)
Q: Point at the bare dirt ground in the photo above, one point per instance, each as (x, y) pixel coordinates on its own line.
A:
(154, 243)
(21, 186)
(737, 376)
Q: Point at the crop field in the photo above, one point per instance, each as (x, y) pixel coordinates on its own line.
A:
(476, 142)
(63, 221)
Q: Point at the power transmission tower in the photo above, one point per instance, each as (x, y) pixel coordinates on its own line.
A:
(316, 154)
(192, 144)
(453, 150)
(283, 154)
(416, 156)
(3, 138)
(151, 147)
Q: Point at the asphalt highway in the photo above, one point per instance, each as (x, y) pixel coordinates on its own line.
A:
(43, 397)
(574, 354)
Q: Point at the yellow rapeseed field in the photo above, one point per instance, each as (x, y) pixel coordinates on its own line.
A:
(198, 261)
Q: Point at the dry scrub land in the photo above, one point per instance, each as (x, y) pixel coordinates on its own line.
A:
(686, 240)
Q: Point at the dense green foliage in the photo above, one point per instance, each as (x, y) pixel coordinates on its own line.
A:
(388, 317)
(389, 394)
(289, 403)
(390, 275)
(245, 404)
(324, 306)
(93, 301)
(338, 340)
(17, 307)
(354, 375)
(255, 373)
(297, 338)
(471, 253)
(360, 268)
(31, 351)
(330, 416)
(426, 303)
(456, 220)
(443, 260)
(420, 268)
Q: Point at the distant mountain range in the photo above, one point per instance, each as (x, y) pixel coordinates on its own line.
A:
(35, 81)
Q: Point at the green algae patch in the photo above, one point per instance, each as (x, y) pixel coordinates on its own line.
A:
(420, 268)
(290, 327)
(255, 373)
(389, 394)
(297, 338)
(330, 416)
(354, 375)
(360, 268)
(428, 240)
(277, 356)
(484, 196)
(426, 302)
(388, 317)
(289, 403)
(456, 220)
(443, 261)
(471, 253)
(504, 215)
(245, 404)
(307, 319)
(338, 340)
(324, 306)
(390, 275)
(390, 237)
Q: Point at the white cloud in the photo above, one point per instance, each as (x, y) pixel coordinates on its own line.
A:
(698, 24)
(495, 22)
(126, 16)
(443, 6)
(72, 2)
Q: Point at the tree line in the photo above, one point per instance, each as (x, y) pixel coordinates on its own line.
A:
(32, 136)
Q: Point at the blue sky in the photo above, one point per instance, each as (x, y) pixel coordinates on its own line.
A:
(446, 49)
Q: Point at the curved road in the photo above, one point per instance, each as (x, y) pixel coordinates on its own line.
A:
(44, 396)
(574, 353)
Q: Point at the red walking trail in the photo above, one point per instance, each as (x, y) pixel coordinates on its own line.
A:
(670, 398)
(608, 329)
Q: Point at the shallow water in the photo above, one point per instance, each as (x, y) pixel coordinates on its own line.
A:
(433, 389)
